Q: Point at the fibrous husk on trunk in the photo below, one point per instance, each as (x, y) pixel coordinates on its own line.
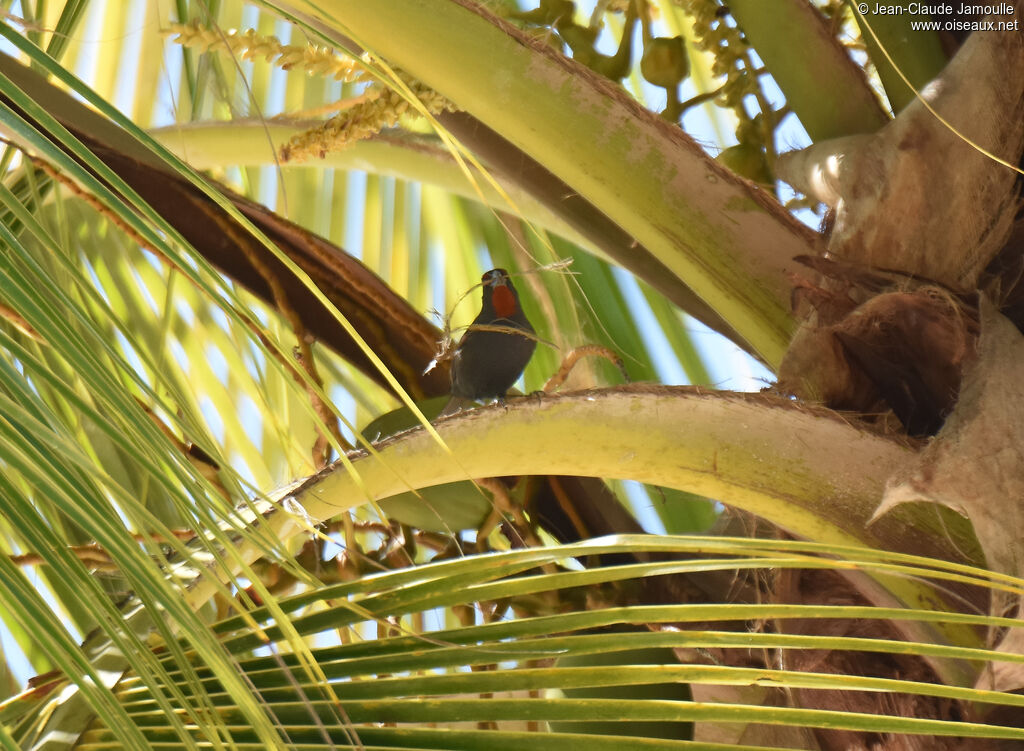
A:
(919, 212)
(901, 350)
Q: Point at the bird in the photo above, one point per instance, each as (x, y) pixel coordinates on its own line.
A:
(487, 362)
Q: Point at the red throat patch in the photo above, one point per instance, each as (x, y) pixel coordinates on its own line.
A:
(504, 301)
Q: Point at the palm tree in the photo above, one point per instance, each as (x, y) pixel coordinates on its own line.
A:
(233, 518)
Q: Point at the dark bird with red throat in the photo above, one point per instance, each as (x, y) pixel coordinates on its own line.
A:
(488, 361)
